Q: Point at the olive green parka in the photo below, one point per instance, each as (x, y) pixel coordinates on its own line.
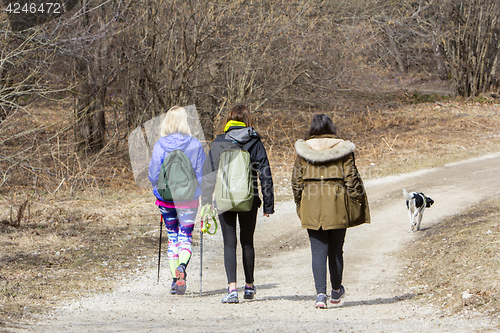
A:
(324, 175)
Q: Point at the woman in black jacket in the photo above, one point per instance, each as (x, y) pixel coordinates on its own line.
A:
(238, 129)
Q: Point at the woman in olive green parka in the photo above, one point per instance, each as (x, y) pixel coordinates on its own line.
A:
(326, 186)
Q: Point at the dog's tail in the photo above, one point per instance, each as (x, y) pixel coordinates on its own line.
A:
(406, 195)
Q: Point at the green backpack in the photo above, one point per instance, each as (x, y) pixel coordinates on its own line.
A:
(234, 184)
(177, 181)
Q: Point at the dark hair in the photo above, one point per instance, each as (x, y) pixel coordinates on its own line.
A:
(321, 124)
(240, 113)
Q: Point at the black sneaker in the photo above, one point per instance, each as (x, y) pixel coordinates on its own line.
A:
(231, 297)
(173, 287)
(321, 301)
(249, 292)
(336, 296)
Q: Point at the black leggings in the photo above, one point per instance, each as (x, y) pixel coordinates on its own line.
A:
(247, 222)
(327, 244)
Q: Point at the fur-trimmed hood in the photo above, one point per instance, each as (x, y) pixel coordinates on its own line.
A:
(323, 149)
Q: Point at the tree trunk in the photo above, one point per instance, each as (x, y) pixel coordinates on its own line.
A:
(473, 46)
(90, 124)
(394, 50)
(7, 99)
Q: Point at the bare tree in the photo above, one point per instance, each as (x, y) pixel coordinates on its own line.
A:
(34, 59)
(168, 56)
(268, 54)
(25, 65)
(472, 44)
(82, 36)
(94, 69)
(462, 36)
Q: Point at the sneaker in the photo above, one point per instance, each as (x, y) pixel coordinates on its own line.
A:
(336, 296)
(231, 297)
(180, 284)
(249, 292)
(173, 288)
(321, 301)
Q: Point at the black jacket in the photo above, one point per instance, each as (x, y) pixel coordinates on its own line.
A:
(258, 158)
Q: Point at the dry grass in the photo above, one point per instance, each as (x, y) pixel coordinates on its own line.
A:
(72, 243)
(456, 264)
(391, 140)
(38, 152)
(70, 246)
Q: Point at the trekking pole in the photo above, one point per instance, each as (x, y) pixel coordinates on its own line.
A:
(159, 248)
(201, 254)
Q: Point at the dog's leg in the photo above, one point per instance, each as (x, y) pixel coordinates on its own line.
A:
(410, 215)
(413, 220)
(419, 218)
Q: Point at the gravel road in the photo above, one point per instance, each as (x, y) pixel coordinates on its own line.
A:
(375, 301)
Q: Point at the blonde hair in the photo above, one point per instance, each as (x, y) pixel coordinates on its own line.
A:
(175, 121)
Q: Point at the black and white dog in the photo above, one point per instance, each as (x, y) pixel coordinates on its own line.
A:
(416, 204)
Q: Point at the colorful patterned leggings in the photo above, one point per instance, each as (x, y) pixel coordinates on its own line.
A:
(180, 224)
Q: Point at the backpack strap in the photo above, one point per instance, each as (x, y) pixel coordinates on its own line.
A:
(184, 151)
(249, 144)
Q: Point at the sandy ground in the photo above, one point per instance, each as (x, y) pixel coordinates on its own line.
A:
(375, 301)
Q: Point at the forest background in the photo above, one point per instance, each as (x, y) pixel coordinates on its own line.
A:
(112, 65)
(74, 82)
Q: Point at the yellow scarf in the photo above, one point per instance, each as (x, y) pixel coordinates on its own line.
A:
(234, 123)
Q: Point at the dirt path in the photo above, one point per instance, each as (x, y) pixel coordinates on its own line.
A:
(374, 301)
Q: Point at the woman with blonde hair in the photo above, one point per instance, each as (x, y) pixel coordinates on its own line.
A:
(179, 216)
